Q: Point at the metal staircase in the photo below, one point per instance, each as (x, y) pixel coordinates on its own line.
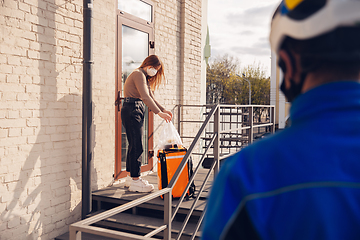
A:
(224, 130)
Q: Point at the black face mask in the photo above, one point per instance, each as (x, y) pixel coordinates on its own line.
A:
(295, 88)
(292, 92)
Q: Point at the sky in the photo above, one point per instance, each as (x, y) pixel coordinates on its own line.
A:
(241, 28)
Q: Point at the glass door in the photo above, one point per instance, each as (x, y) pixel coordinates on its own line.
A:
(134, 50)
(133, 46)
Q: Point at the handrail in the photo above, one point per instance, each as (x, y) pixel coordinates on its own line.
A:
(199, 193)
(212, 141)
(102, 232)
(202, 188)
(111, 212)
(124, 207)
(159, 229)
(213, 111)
(188, 153)
(192, 179)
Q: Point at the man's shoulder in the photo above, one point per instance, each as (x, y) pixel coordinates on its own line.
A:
(271, 151)
(274, 142)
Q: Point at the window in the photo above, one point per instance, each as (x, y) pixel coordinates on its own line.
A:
(137, 8)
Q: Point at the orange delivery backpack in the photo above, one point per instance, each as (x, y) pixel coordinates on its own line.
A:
(169, 160)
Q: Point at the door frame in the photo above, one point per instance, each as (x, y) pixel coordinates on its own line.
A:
(129, 20)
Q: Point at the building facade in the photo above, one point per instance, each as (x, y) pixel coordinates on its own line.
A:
(41, 84)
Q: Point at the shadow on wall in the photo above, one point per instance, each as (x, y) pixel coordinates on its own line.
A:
(45, 198)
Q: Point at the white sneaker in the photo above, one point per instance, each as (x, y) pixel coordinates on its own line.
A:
(140, 185)
(128, 181)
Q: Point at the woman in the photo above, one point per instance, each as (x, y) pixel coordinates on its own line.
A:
(138, 89)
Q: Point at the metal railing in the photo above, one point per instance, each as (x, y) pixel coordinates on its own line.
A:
(237, 123)
(211, 127)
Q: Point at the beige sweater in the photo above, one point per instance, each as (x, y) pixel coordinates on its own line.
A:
(136, 86)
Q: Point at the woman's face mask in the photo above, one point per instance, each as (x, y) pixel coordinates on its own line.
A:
(151, 71)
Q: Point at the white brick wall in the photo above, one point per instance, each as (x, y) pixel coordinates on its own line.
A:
(169, 48)
(41, 103)
(40, 113)
(104, 92)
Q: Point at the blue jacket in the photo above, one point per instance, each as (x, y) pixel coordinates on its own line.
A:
(301, 183)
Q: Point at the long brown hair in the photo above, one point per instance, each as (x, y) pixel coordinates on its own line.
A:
(154, 61)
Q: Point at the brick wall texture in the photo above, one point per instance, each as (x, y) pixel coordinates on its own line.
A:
(41, 103)
(182, 58)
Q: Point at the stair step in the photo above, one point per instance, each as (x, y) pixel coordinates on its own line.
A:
(136, 224)
(116, 195)
(149, 215)
(85, 236)
(156, 206)
(143, 225)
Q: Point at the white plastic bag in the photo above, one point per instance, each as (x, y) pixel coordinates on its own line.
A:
(169, 136)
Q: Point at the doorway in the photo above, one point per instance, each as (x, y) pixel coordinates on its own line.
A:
(135, 41)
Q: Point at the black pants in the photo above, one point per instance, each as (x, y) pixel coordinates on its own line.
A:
(132, 117)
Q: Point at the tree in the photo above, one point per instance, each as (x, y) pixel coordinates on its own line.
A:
(260, 89)
(219, 79)
(224, 86)
(260, 85)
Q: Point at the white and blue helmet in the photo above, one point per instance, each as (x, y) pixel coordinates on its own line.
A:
(307, 19)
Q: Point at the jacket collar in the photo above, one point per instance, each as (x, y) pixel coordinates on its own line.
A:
(330, 98)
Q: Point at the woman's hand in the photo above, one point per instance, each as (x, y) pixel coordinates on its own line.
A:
(168, 112)
(167, 117)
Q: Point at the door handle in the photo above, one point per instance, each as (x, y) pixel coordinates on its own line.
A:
(118, 101)
(150, 153)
